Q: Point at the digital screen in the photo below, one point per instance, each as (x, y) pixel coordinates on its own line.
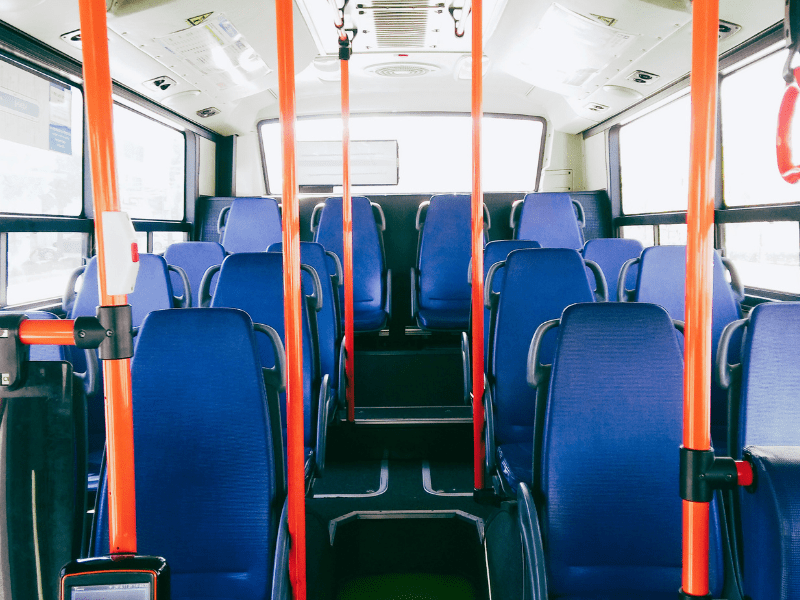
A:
(120, 591)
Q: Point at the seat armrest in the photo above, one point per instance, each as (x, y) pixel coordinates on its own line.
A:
(274, 377)
(204, 293)
(723, 370)
(623, 294)
(68, 300)
(388, 303)
(316, 214)
(466, 368)
(579, 214)
(736, 281)
(184, 301)
(601, 286)
(323, 412)
(419, 222)
(281, 588)
(535, 578)
(341, 392)
(222, 218)
(488, 432)
(414, 299)
(377, 211)
(513, 220)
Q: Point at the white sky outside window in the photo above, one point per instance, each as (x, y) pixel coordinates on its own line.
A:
(435, 152)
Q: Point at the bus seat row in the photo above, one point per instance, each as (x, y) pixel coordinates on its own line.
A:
(253, 282)
(372, 281)
(605, 501)
(662, 280)
(214, 504)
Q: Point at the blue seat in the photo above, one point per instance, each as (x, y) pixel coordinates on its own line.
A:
(495, 252)
(614, 413)
(662, 281)
(439, 286)
(194, 258)
(550, 219)
(764, 391)
(770, 552)
(536, 287)
(253, 282)
(153, 291)
(328, 333)
(611, 254)
(252, 225)
(209, 489)
(372, 288)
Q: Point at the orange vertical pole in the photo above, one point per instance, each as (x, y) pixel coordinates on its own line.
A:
(347, 243)
(291, 302)
(116, 373)
(477, 244)
(699, 282)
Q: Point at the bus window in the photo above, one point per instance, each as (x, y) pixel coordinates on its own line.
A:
(150, 166)
(672, 235)
(41, 144)
(751, 97)
(40, 263)
(644, 233)
(434, 150)
(162, 239)
(767, 255)
(654, 161)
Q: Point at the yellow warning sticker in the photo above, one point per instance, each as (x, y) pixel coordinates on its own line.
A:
(199, 18)
(606, 20)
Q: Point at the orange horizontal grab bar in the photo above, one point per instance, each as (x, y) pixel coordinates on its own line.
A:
(56, 332)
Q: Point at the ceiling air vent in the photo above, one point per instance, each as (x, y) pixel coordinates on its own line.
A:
(402, 70)
(402, 23)
(643, 77)
(73, 38)
(162, 83)
(208, 112)
(727, 29)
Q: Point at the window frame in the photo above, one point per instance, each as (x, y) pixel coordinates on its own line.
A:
(33, 56)
(509, 116)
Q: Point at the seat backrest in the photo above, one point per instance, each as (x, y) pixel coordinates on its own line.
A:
(538, 285)
(209, 503)
(48, 352)
(550, 219)
(662, 281)
(614, 414)
(313, 255)
(770, 552)
(253, 282)
(444, 253)
(769, 413)
(194, 258)
(368, 260)
(153, 289)
(495, 252)
(253, 224)
(611, 254)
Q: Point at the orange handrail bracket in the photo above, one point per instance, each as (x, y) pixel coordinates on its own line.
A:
(699, 264)
(291, 302)
(477, 245)
(347, 233)
(117, 374)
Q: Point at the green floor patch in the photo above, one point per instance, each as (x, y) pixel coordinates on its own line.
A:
(407, 587)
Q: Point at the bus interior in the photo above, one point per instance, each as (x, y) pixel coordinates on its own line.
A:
(511, 281)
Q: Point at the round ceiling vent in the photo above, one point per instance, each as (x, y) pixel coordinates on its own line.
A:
(402, 70)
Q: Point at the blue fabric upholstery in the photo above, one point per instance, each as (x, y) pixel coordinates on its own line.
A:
(613, 420)
(252, 225)
(253, 282)
(550, 219)
(194, 258)
(662, 281)
(611, 254)
(538, 285)
(444, 254)
(495, 252)
(369, 270)
(43, 353)
(208, 503)
(770, 522)
(769, 413)
(313, 255)
(153, 291)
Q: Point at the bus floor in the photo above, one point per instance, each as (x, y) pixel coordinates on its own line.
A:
(393, 516)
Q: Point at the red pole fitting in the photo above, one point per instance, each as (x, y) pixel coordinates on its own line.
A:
(744, 473)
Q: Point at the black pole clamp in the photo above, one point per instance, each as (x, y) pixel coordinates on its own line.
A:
(346, 44)
(701, 473)
(14, 355)
(117, 323)
(684, 596)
